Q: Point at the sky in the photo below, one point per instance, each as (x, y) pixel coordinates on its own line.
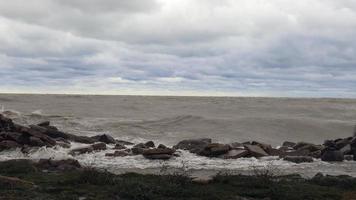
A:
(288, 48)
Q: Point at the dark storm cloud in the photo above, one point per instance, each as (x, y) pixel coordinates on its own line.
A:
(246, 47)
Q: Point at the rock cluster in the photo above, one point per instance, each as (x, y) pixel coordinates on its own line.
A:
(13, 135)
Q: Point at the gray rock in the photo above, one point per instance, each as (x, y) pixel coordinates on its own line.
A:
(150, 144)
(119, 146)
(235, 153)
(288, 144)
(214, 150)
(99, 146)
(118, 154)
(298, 159)
(332, 155)
(255, 151)
(104, 138)
(44, 123)
(8, 144)
(122, 142)
(33, 141)
(193, 145)
(81, 150)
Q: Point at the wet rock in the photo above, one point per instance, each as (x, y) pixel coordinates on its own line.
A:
(214, 150)
(44, 123)
(346, 150)
(275, 152)
(118, 154)
(81, 150)
(119, 146)
(8, 144)
(315, 154)
(122, 142)
(236, 145)
(193, 145)
(150, 144)
(332, 155)
(137, 150)
(266, 147)
(301, 152)
(298, 159)
(158, 153)
(81, 139)
(301, 144)
(34, 141)
(104, 138)
(162, 146)
(235, 153)
(99, 146)
(34, 133)
(288, 144)
(342, 143)
(53, 133)
(348, 157)
(255, 151)
(6, 124)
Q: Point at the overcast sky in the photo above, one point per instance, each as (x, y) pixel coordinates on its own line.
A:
(179, 47)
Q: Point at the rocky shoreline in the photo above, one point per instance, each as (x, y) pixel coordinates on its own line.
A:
(14, 135)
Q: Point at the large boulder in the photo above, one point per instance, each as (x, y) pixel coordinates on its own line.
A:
(235, 153)
(193, 145)
(104, 138)
(298, 159)
(150, 144)
(214, 150)
(266, 147)
(332, 155)
(99, 146)
(255, 151)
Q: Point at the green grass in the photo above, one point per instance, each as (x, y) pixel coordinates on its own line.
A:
(93, 184)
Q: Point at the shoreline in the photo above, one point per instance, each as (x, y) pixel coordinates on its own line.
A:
(66, 179)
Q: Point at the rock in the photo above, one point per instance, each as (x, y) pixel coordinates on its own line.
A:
(214, 150)
(158, 153)
(159, 156)
(301, 152)
(34, 141)
(193, 145)
(275, 152)
(81, 139)
(301, 144)
(288, 144)
(298, 159)
(266, 147)
(150, 144)
(137, 150)
(346, 150)
(161, 146)
(119, 146)
(6, 124)
(81, 150)
(235, 153)
(44, 123)
(118, 154)
(255, 151)
(104, 138)
(34, 133)
(236, 145)
(53, 133)
(122, 142)
(342, 143)
(348, 157)
(99, 146)
(315, 154)
(332, 155)
(8, 144)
